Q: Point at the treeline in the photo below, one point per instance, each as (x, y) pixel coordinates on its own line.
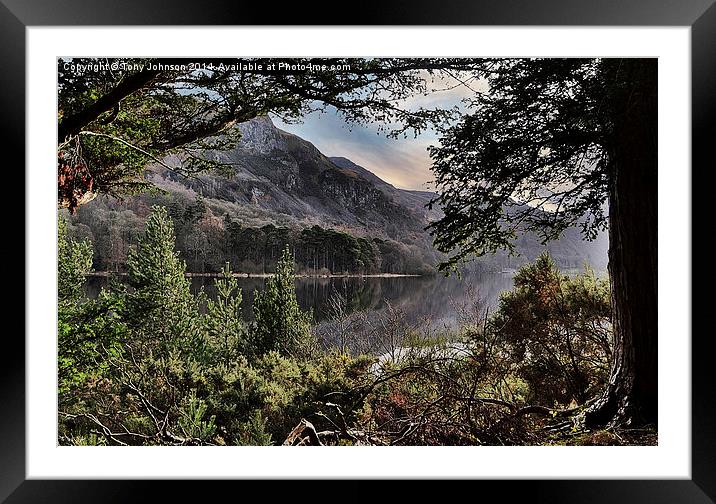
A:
(208, 235)
(208, 240)
(316, 249)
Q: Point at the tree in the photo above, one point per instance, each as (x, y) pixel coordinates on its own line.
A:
(225, 327)
(115, 116)
(150, 347)
(161, 309)
(552, 144)
(86, 329)
(74, 261)
(280, 324)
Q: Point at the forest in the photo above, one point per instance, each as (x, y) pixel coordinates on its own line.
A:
(145, 364)
(208, 237)
(551, 145)
(207, 243)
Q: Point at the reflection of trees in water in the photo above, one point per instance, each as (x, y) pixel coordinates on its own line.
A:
(438, 300)
(435, 298)
(441, 299)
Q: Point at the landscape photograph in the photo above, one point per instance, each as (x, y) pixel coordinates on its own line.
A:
(357, 251)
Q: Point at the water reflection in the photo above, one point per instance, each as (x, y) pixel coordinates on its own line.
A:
(435, 298)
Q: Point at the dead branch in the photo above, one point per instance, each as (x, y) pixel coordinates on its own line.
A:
(296, 436)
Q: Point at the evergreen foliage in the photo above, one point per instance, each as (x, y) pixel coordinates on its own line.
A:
(280, 323)
(226, 331)
(556, 330)
(134, 372)
(160, 307)
(553, 144)
(74, 261)
(533, 156)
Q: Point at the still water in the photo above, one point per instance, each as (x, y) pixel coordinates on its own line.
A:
(435, 298)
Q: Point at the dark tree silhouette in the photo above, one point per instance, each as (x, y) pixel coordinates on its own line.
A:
(553, 143)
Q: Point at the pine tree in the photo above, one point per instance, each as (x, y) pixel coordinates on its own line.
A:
(161, 309)
(225, 327)
(280, 324)
(74, 261)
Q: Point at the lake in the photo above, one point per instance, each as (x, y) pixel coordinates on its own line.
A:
(437, 300)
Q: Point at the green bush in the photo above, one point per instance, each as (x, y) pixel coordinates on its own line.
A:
(555, 331)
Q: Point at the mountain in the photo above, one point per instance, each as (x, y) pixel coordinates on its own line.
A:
(414, 200)
(278, 188)
(287, 179)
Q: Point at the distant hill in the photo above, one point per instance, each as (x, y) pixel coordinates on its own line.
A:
(414, 200)
(280, 185)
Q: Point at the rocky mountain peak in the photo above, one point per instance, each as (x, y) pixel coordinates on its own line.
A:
(260, 135)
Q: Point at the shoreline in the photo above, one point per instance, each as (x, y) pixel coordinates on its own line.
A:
(107, 274)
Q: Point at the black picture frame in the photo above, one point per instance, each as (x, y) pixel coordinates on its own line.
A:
(16, 15)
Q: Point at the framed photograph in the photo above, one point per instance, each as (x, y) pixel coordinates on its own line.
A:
(453, 243)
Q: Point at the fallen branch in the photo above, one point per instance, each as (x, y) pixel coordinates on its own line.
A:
(296, 436)
(304, 434)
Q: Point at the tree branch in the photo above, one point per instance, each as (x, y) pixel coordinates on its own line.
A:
(73, 124)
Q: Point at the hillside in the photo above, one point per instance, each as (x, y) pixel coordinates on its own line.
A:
(288, 179)
(280, 189)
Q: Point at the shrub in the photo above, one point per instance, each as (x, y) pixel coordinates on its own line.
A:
(555, 332)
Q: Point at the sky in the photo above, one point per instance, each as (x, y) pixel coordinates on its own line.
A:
(402, 162)
(405, 163)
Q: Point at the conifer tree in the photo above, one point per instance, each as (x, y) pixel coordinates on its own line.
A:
(280, 324)
(161, 309)
(225, 328)
(74, 261)
(553, 144)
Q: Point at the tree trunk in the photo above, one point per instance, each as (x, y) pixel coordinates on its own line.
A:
(631, 395)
